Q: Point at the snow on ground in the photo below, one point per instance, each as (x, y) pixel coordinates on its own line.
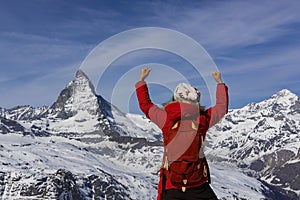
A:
(228, 183)
(136, 126)
(136, 169)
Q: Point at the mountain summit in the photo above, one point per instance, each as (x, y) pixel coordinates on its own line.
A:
(282, 100)
(77, 108)
(78, 96)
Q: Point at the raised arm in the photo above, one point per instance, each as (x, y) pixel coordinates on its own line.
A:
(216, 112)
(152, 111)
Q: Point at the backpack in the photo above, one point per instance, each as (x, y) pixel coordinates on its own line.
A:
(184, 162)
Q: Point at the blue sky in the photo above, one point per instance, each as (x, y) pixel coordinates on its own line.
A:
(255, 45)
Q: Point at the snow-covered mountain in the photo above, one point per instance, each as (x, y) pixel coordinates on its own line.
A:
(264, 139)
(82, 147)
(79, 110)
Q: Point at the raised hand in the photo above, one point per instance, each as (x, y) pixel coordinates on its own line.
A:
(217, 76)
(144, 73)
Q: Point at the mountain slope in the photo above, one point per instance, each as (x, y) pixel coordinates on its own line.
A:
(56, 167)
(264, 138)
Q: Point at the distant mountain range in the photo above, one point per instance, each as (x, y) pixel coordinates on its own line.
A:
(82, 147)
(263, 139)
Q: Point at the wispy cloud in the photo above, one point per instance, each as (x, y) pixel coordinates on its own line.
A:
(28, 54)
(37, 91)
(224, 24)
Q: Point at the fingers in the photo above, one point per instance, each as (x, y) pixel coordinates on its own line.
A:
(146, 70)
(217, 76)
(216, 73)
(144, 73)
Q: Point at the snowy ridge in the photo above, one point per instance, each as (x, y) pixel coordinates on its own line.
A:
(24, 112)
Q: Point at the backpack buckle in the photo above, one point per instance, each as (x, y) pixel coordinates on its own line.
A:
(166, 164)
(205, 171)
(183, 188)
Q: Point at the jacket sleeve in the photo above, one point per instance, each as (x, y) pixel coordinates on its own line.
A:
(216, 112)
(152, 111)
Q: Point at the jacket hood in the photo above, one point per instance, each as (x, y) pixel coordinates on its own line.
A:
(179, 110)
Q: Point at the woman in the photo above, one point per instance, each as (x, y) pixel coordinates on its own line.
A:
(185, 107)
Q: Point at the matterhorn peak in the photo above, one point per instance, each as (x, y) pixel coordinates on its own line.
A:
(80, 73)
(78, 96)
(83, 80)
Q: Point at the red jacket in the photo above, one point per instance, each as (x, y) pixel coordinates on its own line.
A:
(165, 118)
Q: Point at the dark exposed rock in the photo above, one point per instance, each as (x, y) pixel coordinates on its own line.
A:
(257, 165)
(278, 158)
(295, 109)
(106, 187)
(63, 185)
(2, 183)
(288, 175)
(137, 142)
(235, 122)
(8, 126)
(277, 193)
